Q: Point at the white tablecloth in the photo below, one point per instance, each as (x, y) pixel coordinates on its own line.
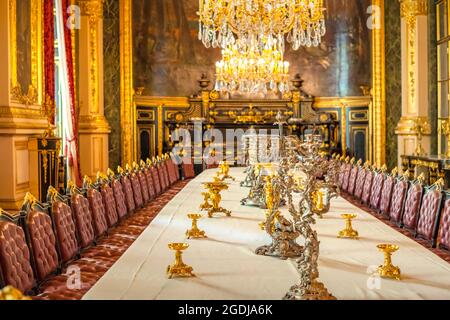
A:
(227, 268)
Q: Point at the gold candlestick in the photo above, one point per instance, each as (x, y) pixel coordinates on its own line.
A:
(212, 198)
(179, 268)
(388, 270)
(195, 232)
(348, 232)
(224, 170)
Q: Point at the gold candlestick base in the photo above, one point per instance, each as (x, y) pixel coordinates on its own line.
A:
(348, 232)
(195, 232)
(388, 270)
(212, 198)
(179, 268)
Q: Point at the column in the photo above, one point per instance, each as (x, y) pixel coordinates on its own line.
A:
(20, 108)
(414, 24)
(93, 126)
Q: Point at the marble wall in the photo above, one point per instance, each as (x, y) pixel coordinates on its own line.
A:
(111, 54)
(432, 76)
(393, 78)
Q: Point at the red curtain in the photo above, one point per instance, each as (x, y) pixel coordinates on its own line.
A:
(73, 155)
(49, 61)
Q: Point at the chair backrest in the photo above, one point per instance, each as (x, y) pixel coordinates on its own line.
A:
(162, 179)
(83, 220)
(128, 193)
(359, 188)
(171, 171)
(347, 173)
(397, 206)
(428, 222)
(144, 186)
(352, 180)
(42, 241)
(98, 212)
(65, 231)
(15, 260)
(166, 172)
(188, 169)
(386, 195)
(137, 192)
(377, 187)
(150, 183)
(176, 168)
(156, 181)
(109, 203)
(342, 172)
(119, 197)
(367, 189)
(444, 227)
(412, 206)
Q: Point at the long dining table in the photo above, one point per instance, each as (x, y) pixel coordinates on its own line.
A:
(227, 268)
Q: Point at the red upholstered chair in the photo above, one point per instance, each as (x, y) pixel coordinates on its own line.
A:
(165, 172)
(109, 204)
(444, 228)
(412, 207)
(367, 188)
(397, 206)
(386, 195)
(347, 173)
(188, 169)
(359, 187)
(83, 220)
(352, 179)
(15, 260)
(342, 173)
(144, 186)
(98, 212)
(429, 215)
(377, 187)
(119, 196)
(162, 179)
(156, 182)
(137, 192)
(41, 239)
(176, 169)
(150, 183)
(128, 193)
(171, 171)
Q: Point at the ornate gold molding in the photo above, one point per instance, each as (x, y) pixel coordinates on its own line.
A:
(34, 91)
(126, 81)
(410, 9)
(94, 124)
(92, 8)
(379, 89)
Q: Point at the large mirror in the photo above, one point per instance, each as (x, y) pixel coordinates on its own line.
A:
(26, 51)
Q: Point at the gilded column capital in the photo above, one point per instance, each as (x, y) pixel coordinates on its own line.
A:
(92, 8)
(410, 9)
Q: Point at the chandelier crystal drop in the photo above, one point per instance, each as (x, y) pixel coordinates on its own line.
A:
(258, 23)
(252, 71)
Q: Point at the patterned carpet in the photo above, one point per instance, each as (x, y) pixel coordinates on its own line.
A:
(443, 254)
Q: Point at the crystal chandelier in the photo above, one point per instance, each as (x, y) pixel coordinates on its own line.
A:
(258, 23)
(252, 71)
